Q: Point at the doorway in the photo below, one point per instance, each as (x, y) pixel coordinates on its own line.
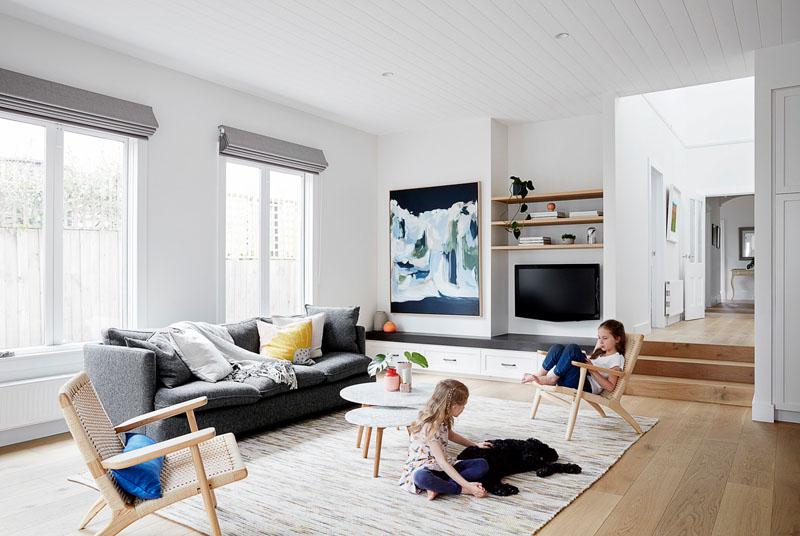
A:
(658, 211)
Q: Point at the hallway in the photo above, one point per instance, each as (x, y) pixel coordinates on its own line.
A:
(729, 323)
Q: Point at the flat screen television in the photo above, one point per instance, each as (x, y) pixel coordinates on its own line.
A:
(557, 292)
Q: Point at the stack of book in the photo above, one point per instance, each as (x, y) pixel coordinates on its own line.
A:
(534, 240)
(585, 213)
(549, 214)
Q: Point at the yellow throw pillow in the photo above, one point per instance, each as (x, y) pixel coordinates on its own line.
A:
(292, 343)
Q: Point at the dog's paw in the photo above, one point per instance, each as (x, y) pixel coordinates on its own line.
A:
(504, 490)
(571, 468)
(545, 471)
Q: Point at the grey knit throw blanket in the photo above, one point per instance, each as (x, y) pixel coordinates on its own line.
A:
(245, 364)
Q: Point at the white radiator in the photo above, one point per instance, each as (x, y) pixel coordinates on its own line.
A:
(673, 297)
(30, 402)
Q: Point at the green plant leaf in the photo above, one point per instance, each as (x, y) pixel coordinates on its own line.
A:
(527, 217)
(378, 364)
(530, 185)
(514, 225)
(516, 233)
(524, 207)
(417, 359)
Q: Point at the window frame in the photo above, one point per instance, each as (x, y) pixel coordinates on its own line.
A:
(54, 356)
(308, 232)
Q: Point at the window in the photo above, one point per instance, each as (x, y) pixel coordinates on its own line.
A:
(63, 232)
(265, 270)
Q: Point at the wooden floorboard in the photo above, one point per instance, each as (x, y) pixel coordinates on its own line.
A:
(642, 492)
(692, 511)
(786, 492)
(744, 511)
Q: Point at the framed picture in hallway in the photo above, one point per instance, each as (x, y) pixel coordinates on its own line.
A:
(673, 212)
(435, 250)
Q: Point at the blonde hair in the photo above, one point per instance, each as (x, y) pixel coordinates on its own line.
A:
(438, 410)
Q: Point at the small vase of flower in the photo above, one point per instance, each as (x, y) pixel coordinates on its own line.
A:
(567, 238)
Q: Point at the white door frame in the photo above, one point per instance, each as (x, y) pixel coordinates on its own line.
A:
(656, 238)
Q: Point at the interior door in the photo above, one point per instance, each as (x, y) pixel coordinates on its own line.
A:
(694, 267)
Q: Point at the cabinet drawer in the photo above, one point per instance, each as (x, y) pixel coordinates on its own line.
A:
(505, 366)
(454, 362)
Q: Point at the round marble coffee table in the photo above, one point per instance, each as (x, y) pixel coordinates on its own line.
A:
(380, 417)
(372, 395)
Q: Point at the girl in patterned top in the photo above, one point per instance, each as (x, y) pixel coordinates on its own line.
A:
(428, 466)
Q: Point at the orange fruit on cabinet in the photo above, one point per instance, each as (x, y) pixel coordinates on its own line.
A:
(389, 327)
(551, 207)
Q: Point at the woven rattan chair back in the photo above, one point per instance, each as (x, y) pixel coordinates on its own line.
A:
(633, 345)
(94, 434)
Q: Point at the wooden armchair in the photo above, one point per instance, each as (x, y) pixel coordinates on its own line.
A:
(571, 398)
(194, 463)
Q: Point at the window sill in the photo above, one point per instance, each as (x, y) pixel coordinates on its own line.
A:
(42, 362)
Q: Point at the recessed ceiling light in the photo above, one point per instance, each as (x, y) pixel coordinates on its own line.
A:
(387, 74)
(562, 35)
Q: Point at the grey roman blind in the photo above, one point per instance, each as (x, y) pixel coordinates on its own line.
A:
(250, 146)
(29, 95)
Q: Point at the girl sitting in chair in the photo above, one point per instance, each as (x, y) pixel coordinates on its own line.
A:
(610, 354)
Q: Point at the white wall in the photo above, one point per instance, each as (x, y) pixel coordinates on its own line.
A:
(641, 141)
(557, 156)
(737, 212)
(721, 169)
(445, 154)
(182, 185)
(182, 170)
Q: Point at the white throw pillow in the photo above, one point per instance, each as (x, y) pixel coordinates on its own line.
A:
(317, 325)
(200, 355)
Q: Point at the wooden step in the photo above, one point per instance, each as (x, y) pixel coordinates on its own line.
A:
(690, 350)
(701, 369)
(717, 392)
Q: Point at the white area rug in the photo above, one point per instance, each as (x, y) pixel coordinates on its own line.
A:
(308, 478)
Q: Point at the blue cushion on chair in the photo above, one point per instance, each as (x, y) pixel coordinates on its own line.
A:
(142, 480)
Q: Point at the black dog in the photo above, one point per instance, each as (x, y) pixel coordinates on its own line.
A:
(509, 456)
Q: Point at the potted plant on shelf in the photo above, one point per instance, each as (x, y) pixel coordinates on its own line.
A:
(519, 188)
(568, 238)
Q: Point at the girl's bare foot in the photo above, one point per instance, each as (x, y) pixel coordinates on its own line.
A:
(432, 495)
(549, 379)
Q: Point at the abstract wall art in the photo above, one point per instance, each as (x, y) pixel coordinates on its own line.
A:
(435, 250)
(673, 206)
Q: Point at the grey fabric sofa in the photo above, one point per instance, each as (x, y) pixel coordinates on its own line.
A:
(126, 381)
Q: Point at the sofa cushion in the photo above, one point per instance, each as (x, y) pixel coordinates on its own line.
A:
(339, 334)
(307, 376)
(220, 394)
(117, 336)
(244, 334)
(340, 365)
(170, 368)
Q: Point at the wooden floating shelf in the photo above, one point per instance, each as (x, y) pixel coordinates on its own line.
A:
(549, 246)
(550, 221)
(554, 196)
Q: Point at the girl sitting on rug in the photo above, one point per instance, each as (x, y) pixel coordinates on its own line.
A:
(428, 466)
(609, 354)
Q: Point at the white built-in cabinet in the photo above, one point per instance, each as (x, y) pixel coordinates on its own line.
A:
(464, 361)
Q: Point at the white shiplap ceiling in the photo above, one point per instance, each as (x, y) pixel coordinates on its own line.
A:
(452, 59)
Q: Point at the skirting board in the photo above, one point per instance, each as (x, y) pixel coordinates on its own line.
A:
(642, 327)
(763, 412)
(34, 431)
(785, 415)
(674, 319)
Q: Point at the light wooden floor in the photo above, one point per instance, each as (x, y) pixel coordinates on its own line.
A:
(704, 469)
(715, 328)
